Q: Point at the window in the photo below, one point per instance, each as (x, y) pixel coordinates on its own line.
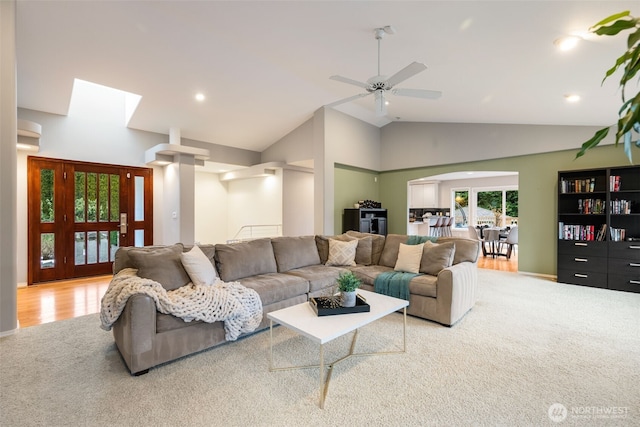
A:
(485, 206)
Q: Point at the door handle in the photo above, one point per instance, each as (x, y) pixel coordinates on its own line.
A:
(123, 223)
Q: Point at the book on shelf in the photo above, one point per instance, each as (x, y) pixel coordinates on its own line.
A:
(590, 206)
(617, 234)
(620, 207)
(601, 233)
(586, 185)
(576, 232)
(614, 183)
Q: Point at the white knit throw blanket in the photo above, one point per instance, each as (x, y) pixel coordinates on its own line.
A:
(240, 308)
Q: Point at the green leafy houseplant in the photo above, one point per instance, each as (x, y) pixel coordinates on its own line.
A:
(348, 282)
(629, 113)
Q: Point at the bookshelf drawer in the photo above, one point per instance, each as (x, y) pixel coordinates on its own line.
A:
(626, 250)
(625, 266)
(582, 248)
(581, 264)
(624, 282)
(593, 279)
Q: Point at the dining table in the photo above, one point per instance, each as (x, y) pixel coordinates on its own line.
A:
(491, 245)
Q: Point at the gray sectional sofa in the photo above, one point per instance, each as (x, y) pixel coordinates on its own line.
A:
(285, 271)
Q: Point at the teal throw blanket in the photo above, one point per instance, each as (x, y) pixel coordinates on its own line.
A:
(396, 283)
(416, 240)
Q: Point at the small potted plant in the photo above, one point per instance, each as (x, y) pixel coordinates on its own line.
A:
(348, 283)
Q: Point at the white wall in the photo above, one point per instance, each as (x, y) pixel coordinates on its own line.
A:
(211, 206)
(345, 140)
(254, 201)
(297, 203)
(408, 145)
(297, 145)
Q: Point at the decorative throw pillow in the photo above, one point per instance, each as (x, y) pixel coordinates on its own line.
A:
(295, 252)
(342, 253)
(437, 257)
(162, 265)
(199, 267)
(409, 257)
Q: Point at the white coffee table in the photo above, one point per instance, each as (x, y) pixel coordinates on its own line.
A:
(322, 329)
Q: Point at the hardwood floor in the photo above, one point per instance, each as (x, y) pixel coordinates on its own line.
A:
(499, 263)
(49, 302)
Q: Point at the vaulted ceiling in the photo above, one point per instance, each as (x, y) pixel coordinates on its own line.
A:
(264, 66)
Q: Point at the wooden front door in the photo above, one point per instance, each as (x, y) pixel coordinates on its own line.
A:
(80, 213)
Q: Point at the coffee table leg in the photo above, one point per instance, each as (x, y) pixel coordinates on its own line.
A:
(270, 345)
(322, 385)
(404, 330)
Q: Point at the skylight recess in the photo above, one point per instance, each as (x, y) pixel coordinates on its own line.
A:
(102, 103)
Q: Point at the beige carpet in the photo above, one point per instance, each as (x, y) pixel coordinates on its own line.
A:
(528, 344)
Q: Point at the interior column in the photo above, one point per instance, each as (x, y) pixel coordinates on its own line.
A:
(8, 169)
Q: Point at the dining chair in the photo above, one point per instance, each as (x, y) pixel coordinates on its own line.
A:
(434, 230)
(447, 226)
(511, 241)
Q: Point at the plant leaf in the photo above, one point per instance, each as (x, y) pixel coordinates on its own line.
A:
(615, 28)
(633, 38)
(595, 140)
(632, 67)
(619, 62)
(612, 18)
(627, 146)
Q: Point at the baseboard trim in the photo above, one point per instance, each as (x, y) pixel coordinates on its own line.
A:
(543, 276)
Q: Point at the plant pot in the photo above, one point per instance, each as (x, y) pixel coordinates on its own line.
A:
(348, 299)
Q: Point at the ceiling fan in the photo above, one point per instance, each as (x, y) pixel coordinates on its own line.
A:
(380, 85)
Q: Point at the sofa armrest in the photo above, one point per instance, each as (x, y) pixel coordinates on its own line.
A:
(135, 330)
(456, 292)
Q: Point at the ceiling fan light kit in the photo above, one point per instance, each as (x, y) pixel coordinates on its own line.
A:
(380, 84)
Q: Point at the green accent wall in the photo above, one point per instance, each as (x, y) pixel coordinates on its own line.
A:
(353, 184)
(537, 182)
(538, 175)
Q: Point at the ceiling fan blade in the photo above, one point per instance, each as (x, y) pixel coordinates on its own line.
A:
(418, 93)
(408, 71)
(349, 81)
(349, 99)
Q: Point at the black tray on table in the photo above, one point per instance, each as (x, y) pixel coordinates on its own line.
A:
(322, 306)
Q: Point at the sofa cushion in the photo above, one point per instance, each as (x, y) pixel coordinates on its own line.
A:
(237, 260)
(369, 273)
(436, 257)
(377, 244)
(389, 254)
(467, 250)
(295, 252)
(276, 287)
(319, 276)
(425, 285)
(122, 259)
(409, 257)
(199, 267)
(363, 250)
(342, 253)
(161, 264)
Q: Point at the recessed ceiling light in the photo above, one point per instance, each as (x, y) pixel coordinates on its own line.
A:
(567, 42)
(572, 97)
(199, 97)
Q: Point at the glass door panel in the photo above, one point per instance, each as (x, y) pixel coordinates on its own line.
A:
(47, 182)
(47, 250)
